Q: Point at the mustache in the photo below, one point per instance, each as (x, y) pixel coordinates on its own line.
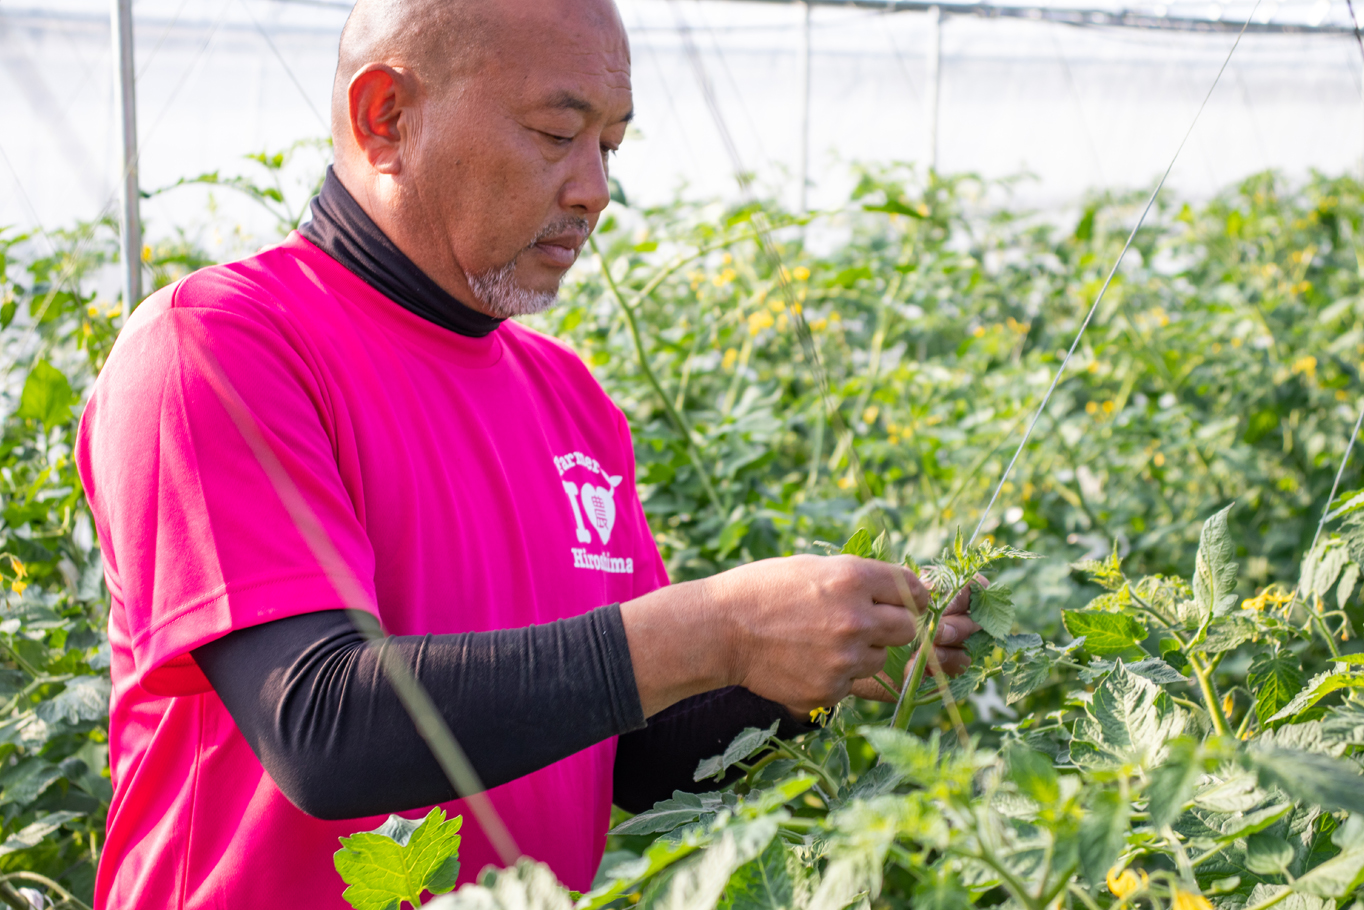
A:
(569, 224)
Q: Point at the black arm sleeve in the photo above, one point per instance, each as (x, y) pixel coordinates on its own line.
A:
(653, 762)
(309, 695)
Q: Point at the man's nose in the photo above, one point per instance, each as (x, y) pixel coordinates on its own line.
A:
(586, 190)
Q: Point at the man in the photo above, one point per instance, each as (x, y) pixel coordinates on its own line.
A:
(346, 421)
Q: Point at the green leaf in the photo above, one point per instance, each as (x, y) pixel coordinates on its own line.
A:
(1309, 777)
(1024, 641)
(1320, 686)
(1225, 633)
(399, 860)
(33, 834)
(897, 657)
(1323, 566)
(1025, 676)
(1275, 679)
(940, 889)
(26, 781)
(993, 609)
(769, 882)
(1172, 784)
(859, 544)
(84, 698)
(1214, 581)
(1334, 878)
(1130, 721)
(1244, 825)
(1104, 633)
(526, 886)
(1103, 834)
(1349, 579)
(1268, 854)
(1034, 775)
(47, 396)
(749, 740)
(682, 809)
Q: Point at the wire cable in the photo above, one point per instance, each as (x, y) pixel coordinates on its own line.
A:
(287, 69)
(1131, 237)
(1326, 512)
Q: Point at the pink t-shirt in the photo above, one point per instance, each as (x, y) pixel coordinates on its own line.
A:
(464, 484)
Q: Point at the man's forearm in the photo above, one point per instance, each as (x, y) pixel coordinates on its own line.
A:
(309, 695)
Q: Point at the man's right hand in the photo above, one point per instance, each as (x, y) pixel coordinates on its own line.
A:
(798, 630)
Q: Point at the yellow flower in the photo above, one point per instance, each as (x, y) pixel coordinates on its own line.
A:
(979, 331)
(114, 312)
(1091, 407)
(1158, 459)
(759, 321)
(801, 273)
(819, 325)
(845, 483)
(730, 357)
(796, 308)
(1108, 407)
(1306, 365)
(19, 586)
(1187, 900)
(1228, 704)
(818, 714)
(92, 311)
(1125, 882)
(146, 254)
(870, 414)
(727, 259)
(725, 277)
(1272, 596)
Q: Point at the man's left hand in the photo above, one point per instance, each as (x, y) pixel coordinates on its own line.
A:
(956, 626)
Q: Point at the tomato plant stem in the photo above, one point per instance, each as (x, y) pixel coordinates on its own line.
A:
(905, 709)
(1210, 697)
(676, 419)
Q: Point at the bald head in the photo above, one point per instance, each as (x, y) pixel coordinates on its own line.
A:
(477, 133)
(440, 41)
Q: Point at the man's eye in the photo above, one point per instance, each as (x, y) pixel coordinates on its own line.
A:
(557, 139)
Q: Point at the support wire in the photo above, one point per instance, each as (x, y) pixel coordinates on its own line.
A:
(1131, 237)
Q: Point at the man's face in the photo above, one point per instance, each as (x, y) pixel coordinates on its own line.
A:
(510, 164)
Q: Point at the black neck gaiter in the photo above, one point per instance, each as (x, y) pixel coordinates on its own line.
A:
(342, 230)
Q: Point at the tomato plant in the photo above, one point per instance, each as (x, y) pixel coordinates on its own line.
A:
(1224, 365)
(1127, 783)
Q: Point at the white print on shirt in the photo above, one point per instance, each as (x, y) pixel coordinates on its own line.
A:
(594, 508)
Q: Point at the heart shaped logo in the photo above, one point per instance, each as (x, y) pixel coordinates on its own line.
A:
(599, 508)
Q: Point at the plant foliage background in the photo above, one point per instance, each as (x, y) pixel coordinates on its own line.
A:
(1223, 367)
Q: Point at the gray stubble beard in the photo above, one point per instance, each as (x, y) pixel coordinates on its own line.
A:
(498, 290)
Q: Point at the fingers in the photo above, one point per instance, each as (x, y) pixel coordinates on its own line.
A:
(872, 690)
(891, 626)
(953, 630)
(895, 585)
(952, 660)
(962, 602)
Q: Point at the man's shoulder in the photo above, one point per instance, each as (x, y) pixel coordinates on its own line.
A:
(546, 348)
(265, 289)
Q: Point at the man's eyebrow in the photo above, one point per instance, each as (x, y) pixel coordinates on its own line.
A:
(572, 102)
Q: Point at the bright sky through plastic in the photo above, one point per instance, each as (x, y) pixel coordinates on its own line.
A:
(1074, 108)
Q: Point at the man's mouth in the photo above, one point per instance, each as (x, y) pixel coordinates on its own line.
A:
(561, 247)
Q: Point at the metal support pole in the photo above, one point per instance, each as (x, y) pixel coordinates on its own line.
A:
(129, 217)
(805, 109)
(934, 82)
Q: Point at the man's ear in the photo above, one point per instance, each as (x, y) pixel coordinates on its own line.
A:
(380, 98)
